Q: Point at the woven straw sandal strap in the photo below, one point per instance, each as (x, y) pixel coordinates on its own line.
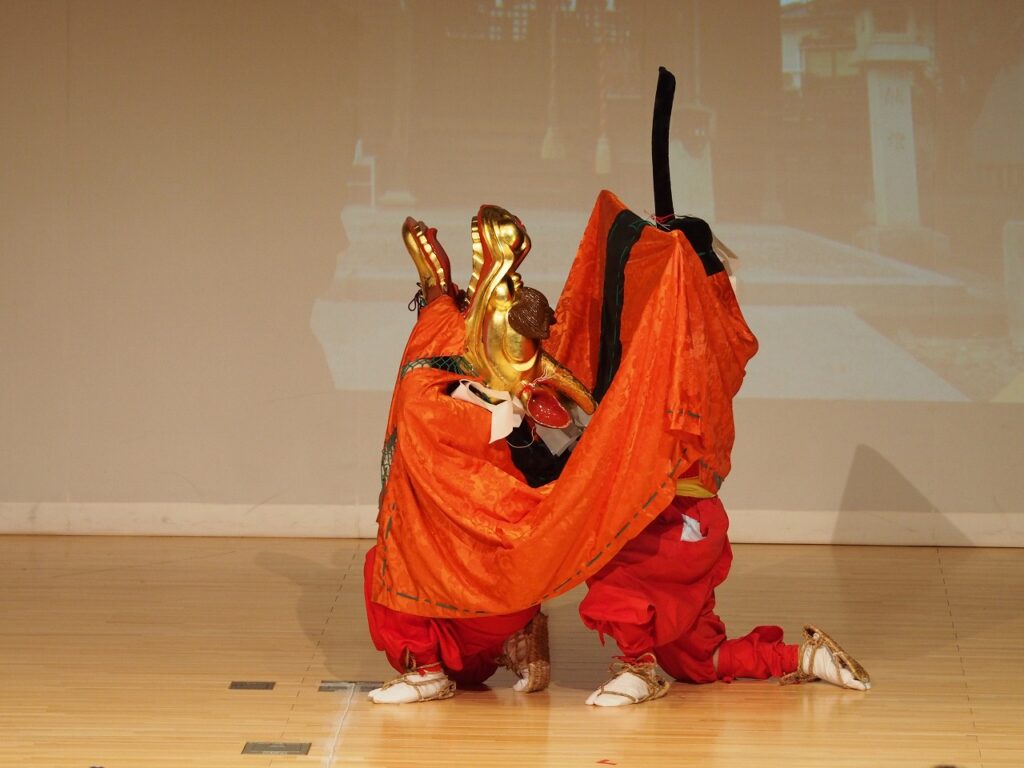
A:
(602, 691)
(527, 654)
(657, 686)
(794, 678)
(822, 639)
(410, 678)
(816, 639)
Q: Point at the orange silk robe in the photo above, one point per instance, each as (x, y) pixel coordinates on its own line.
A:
(460, 531)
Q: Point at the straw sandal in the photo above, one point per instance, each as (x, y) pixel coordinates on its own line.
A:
(816, 639)
(527, 654)
(415, 681)
(657, 686)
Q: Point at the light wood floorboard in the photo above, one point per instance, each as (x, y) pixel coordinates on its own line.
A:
(118, 652)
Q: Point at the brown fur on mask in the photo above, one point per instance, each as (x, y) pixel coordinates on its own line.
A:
(531, 314)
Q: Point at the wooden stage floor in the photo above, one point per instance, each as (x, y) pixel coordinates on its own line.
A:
(119, 652)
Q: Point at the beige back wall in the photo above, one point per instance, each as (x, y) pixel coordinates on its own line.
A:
(176, 219)
(173, 175)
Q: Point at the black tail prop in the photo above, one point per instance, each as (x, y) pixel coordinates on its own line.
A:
(663, 98)
(697, 231)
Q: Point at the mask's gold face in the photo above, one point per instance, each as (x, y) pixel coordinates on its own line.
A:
(510, 230)
(500, 244)
(506, 321)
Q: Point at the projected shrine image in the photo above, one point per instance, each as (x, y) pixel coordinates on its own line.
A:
(574, 382)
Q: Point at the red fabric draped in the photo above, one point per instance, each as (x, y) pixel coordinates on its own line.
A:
(462, 534)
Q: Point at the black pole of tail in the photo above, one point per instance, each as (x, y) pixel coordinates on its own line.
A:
(663, 97)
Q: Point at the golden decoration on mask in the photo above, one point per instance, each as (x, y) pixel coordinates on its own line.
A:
(507, 358)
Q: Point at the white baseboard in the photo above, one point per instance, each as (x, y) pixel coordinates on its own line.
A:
(893, 528)
(979, 529)
(170, 519)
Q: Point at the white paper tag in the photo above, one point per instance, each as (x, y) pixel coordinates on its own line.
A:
(506, 411)
(691, 530)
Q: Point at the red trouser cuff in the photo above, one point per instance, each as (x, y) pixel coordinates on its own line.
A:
(759, 655)
(425, 660)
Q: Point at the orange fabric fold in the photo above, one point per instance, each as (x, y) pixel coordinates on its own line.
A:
(460, 531)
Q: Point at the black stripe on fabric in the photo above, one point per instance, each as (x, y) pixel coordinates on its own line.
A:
(698, 233)
(623, 234)
(712, 264)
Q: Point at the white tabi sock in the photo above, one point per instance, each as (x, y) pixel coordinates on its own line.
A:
(828, 669)
(414, 686)
(624, 688)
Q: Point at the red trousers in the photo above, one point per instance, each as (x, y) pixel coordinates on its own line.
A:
(658, 595)
(466, 648)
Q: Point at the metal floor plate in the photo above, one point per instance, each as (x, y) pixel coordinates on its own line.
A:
(361, 686)
(276, 748)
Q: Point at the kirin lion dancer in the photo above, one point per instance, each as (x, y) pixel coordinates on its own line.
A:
(492, 502)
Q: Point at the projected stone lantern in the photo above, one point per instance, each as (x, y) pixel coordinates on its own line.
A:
(890, 49)
(693, 127)
(396, 177)
(693, 130)
(893, 46)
